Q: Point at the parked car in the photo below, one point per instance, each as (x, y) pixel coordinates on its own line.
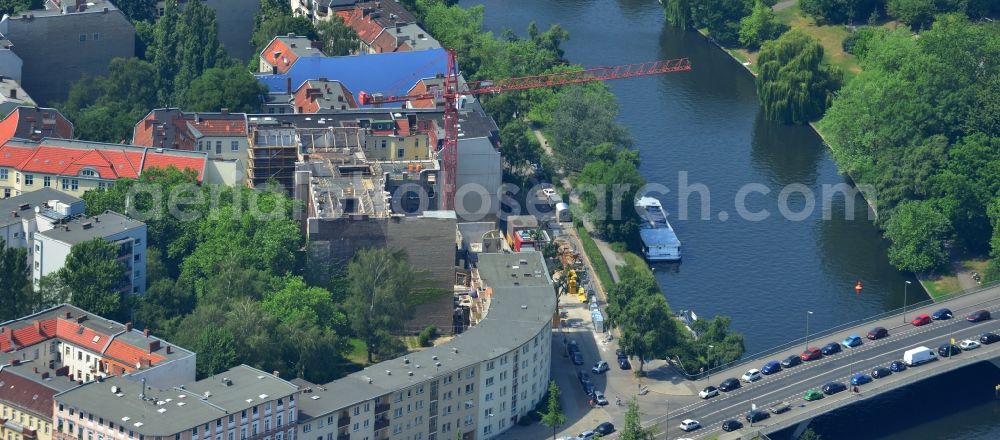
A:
(589, 389)
(757, 415)
(811, 354)
(941, 314)
(605, 428)
(620, 354)
(968, 344)
(771, 367)
(600, 367)
(897, 366)
(779, 407)
(577, 358)
(989, 338)
(834, 388)
(791, 361)
(752, 375)
(708, 392)
(921, 319)
(918, 355)
(946, 350)
(582, 376)
(731, 425)
(572, 347)
(831, 348)
(729, 384)
(812, 394)
(600, 399)
(881, 372)
(689, 425)
(852, 341)
(877, 333)
(586, 435)
(624, 364)
(978, 315)
(860, 379)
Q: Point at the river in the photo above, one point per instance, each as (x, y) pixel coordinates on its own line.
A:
(708, 125)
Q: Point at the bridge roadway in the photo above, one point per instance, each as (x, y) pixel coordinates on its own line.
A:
(790, 384)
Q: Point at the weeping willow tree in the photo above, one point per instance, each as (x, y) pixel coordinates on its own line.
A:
(678, 12)
(795, 86)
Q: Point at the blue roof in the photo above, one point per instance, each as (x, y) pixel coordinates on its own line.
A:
(388, 73)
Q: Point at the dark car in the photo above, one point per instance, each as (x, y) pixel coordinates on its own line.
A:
(946, 350)
(624, 364)
(584, 377)
(921, 319)
(941, 314)
(860, 379)
(729, 384)
(878, 333)
(989, 338)
(834, 388)
(791, 361)
(731, 425)
(620, 354)
(757, 415)
(881, 372)
(897, 366)
(573, 347)
(811, 354)
(831, 348)
(577, 358)
(978, 315)
(605, 428)
(771, 367)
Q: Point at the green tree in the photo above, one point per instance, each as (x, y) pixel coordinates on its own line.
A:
(11, 7)
(518, 147)
(720, 17)
(918, 230)
(678, 12)
(608, 190)
(585, 117)
(795, 84)
(282, 24)
(233, 88)
(916, 13)
(649, 329)
(138, 10)
(197, 46)
(839, 11)
(809, 434)
(95, 277)
(16, 292)
(216, 351)
(338, 39)
(761, 25)
(105, 108)
(632, 428)
(380, 280)
(553, 416)
(993, 268)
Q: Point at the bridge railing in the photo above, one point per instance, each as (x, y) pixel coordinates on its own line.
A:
(746, 359)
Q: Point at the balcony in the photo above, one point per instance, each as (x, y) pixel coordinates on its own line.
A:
(381, 423)
(381, 408)
(343, 421)
(344, 436)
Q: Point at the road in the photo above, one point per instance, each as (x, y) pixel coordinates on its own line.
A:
(789, 384)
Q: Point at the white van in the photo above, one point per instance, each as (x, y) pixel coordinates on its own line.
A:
(562, 212)
(919, 355)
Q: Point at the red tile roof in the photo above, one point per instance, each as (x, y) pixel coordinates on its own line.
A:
(81, 336)
(129, 354)
(109, 161)
(25, 393)
(221, 127)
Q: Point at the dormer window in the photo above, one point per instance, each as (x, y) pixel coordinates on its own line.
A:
(88, 172)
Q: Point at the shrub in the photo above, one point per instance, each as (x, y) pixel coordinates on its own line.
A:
(427, 335)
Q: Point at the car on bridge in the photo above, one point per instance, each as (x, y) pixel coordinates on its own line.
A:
(771, 367)
(830, 349)
(852, 341)
(752, 375)
(708, 392)
(878, 333)
(729, 384)
(989, 338)
(978, 315)
(811, 354)
(921, 319)
(780, 407)
(812, 394)
(946, 350)
(731, 425)
(881, 372)
(941, 314)
(791, 361)
(689, 425)
(834, 388)
(968, 344)
(860, 379)
(897, 366)
(757, 415)
(605, 428)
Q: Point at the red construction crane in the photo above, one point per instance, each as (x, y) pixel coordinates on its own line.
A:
(452, 90)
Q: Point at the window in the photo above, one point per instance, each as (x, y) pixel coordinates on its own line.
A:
(383, 143)
(234, 146)
(307, 428)
(199, 145)
(29, 179)
(489, 381)
(397, 413)
(218, 147)
(88, 173)
(101, 185)
(489, 397)
(97, 36)
(489, 365)
(65, 184)
(138, 257)
(83, 38)
(3, 174)
(74, 184)
(400, 152)
(469, 388)
(356, 427)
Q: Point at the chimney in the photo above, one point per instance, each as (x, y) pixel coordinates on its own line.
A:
(38, 326)
(291, 35)
(13, 93)
(288, 85)
(145, 332)
(169, 350)
(15, 362)
(276, 374)
(155, 345)
(225, 111)
(128, 326)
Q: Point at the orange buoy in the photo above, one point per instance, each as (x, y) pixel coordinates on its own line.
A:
(858, 287)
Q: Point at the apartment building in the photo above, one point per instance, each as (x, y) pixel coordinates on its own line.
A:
(11, 93)
(222, 136)
(39, 210)
(242, 403)
(475, 386)
(284, 50)
(33, 123)
(26, 401)
(315, 96)
(52, 246)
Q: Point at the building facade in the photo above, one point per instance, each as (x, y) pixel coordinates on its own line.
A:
(33, 123)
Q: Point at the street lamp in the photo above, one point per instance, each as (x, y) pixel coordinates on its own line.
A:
(807, 328)
(709, 361)
(905, 286)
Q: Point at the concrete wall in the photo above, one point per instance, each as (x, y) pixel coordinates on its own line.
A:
(59, 49)
(226, 172)
(50, 255)
(171, 374)
(479, 169)
(235, 19)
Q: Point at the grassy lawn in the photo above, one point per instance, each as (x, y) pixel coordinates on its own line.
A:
(600, 265)
(635, 261)
(357, 354)
(941, 285)
(831, 37)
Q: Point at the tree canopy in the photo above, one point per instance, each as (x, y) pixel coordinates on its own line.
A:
(379, 283)
(95, 277)
(795, 84)
(233, 88)
(16, 292)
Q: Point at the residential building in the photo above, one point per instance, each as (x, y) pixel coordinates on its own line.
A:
(241, 403)
(322, 94)
(11, 93)
(52, 246)
(220, 135)
(65, 341)
(33, 123)
(38, 210)
(388, 27)
(480, 165)
(65, 41)
(74, 167)
(26, 401)
(320, 10)
(10, 63)
(475, 386)
(284, 50)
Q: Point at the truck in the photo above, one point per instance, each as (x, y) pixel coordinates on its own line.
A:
(919, 355)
